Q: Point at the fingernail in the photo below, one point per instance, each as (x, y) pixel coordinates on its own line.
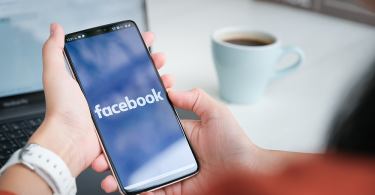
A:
(52, 28)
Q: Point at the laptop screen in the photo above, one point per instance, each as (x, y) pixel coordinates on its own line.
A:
(24, 27)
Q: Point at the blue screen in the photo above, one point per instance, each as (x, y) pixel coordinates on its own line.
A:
(138, 126)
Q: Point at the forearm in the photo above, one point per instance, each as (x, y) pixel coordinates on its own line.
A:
(19, 175)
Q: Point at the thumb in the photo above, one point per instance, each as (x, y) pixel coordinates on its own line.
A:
(198, 101)
(53, 61)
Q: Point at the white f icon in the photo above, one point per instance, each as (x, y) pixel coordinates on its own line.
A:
(98, 111)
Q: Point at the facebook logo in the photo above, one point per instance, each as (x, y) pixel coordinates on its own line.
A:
(128, 104)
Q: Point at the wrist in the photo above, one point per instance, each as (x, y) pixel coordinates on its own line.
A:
(51, 135)
(17, 175)
(263, 161)
(275, 161)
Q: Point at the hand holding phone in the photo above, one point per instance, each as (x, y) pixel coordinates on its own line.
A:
(217, 138)
(220, 143)
(68, 117)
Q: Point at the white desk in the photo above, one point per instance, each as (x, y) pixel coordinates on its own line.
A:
(296, 111)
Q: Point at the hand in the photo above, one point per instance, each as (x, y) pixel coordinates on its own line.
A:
(218, 140)
(68, 129)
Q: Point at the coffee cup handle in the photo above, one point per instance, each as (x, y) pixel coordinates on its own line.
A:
(285, 50)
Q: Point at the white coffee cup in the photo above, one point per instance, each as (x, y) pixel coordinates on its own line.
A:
(244, 71)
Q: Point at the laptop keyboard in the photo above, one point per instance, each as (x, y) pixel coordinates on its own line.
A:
(15, 133)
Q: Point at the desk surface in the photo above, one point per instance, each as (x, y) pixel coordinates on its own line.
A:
(296, 111)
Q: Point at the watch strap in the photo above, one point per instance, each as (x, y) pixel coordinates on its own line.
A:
(47, 165)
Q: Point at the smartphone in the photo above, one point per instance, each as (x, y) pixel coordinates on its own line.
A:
(137, 125)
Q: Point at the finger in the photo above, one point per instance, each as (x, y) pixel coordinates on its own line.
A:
(109, 184)
(149, 38)
(100, 164)
(168, 80)
(53, 61)
(159, 59)
(196, 100)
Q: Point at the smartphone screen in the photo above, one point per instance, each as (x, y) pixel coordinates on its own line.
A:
(136, 122)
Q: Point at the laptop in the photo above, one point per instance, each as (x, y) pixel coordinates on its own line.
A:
(24, 27)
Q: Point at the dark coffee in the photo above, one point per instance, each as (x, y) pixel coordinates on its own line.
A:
(248, 42)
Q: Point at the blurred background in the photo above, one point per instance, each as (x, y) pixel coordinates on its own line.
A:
(296, 111)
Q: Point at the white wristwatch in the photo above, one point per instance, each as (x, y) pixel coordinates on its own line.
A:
(46, 164)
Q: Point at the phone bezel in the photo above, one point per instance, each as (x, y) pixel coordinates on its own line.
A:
(104, 148)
